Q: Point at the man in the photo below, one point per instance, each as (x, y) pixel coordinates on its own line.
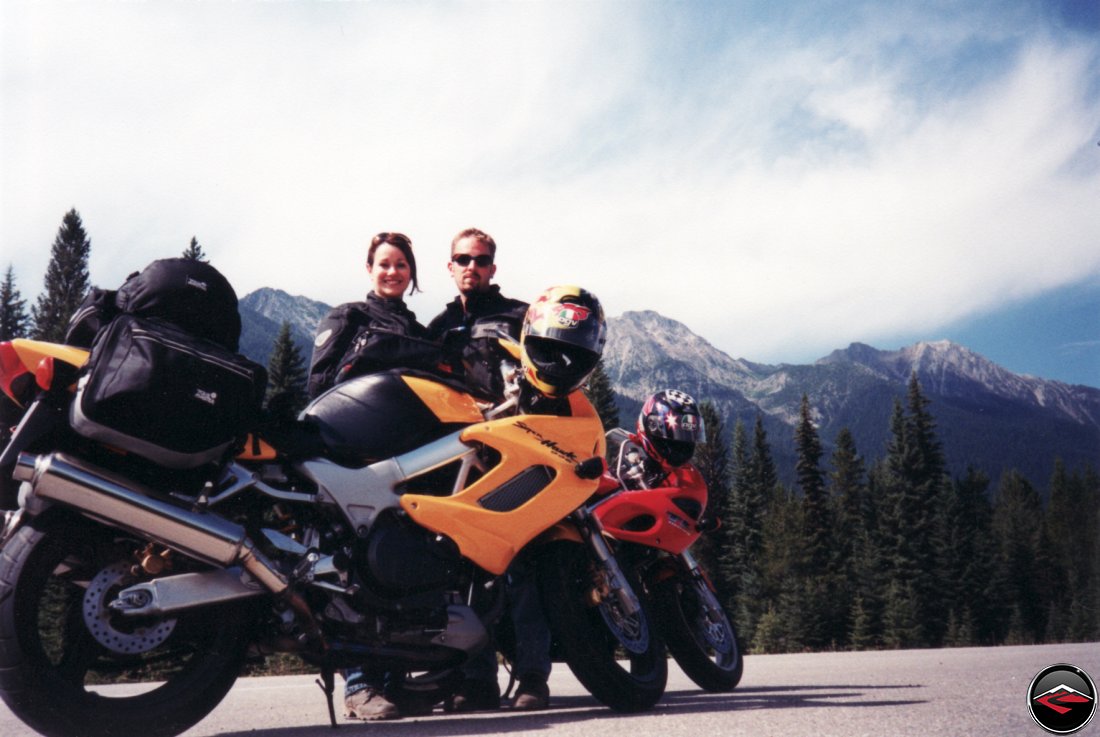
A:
(479, 310)
(481, 313)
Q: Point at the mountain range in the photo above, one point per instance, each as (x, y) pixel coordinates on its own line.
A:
(987, 417)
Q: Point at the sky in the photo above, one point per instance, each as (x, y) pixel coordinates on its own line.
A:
(785, 178)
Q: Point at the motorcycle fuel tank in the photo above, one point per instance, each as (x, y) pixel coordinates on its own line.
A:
(385, 414)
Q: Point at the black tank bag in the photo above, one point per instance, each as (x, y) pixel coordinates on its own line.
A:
(159, 392)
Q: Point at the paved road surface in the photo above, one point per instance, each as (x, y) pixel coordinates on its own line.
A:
(969, 692)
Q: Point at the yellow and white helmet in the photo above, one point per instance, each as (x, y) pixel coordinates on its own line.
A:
(562, 339)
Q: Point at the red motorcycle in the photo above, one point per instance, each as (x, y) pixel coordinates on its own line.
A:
(654, 529)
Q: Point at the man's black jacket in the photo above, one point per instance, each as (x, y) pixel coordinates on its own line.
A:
(484, 315)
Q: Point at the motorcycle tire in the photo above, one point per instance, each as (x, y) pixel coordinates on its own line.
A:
(706, 648)
(57, 573)
(587, 638)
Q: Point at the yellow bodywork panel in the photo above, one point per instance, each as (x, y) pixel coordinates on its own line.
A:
(31, 352)
(493, 538)
(448, 404)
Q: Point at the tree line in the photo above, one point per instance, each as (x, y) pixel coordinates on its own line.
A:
(67, 282)
(894, 553)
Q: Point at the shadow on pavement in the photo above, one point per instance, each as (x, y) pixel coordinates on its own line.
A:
(566, 709)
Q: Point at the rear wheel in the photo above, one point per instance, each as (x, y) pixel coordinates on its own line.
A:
(593, 628)
(700, 635)
(70, 665)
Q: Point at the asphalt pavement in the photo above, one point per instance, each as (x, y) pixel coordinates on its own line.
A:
(963, 692)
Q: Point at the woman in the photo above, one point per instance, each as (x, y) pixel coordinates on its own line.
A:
(359, 338)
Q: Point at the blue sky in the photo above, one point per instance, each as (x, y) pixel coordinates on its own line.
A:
(784, 178)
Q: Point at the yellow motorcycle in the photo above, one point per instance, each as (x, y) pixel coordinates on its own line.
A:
(374, 529)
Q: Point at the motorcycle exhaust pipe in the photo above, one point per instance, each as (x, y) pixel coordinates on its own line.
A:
(122, 503)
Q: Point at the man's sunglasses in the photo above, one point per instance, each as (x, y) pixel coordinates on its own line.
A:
(464, 259)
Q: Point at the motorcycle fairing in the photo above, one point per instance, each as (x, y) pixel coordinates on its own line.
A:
(491, 533)
(659, 517)
(381, 415)
(448, 405)
(20, 357)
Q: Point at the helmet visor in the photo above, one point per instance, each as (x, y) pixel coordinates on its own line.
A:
(576, 324)
(563, 365)
(675, 452)
(672, 425)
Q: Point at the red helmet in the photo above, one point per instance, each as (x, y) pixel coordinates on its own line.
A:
(669, 426)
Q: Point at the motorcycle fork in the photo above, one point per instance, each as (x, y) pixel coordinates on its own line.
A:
(698, 577)
(614, 581)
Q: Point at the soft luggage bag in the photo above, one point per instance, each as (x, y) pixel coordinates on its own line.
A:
(188, 293)
(97, 309)
(156, 391)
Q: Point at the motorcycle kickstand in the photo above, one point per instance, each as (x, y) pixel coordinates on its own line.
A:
(327, 683)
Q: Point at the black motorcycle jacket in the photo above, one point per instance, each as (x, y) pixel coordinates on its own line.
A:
(484, 316)
(359, 338)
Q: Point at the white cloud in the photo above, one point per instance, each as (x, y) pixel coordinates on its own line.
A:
(781, 193)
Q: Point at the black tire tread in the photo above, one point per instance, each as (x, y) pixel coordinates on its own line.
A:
(686, 650)
(58, 708)
(573, 623)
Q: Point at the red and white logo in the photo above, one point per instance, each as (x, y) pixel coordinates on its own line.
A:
(1062, 698)
(570, 315)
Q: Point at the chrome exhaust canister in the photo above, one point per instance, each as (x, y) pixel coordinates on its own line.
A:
(118, 501)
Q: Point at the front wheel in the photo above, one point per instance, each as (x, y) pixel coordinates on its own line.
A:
(592, 627)
(61, 644)
(700, 635)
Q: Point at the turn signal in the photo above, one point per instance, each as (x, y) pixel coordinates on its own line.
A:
(43, 375)
(593, 468)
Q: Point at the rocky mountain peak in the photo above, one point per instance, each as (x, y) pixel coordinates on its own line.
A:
(990, 417)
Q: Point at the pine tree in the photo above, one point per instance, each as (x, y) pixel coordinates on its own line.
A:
(969, 570)
(1017, 527)
(902, 617)
(763, 492)
(712, 456)
(847, 490)
(286, 386)
(782, 585)
(712, 459)
(194, 251)
(871, 567)
(812, 483)
(14, 320)
(741, 540)
(1071, 533)
(66, 281)
(916, 492)
(862, 634)
(762, 471)
(851, 543)
(599, 391)
(818, 607)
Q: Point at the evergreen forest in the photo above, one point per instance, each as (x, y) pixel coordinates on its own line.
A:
(892, 552)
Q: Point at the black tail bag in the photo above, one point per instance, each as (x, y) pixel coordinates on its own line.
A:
(188, 293)
(153, 389)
